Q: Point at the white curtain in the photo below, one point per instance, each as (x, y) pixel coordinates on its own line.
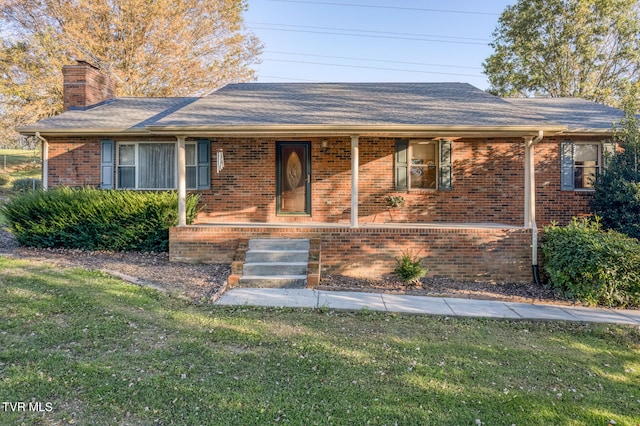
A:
(157, 164)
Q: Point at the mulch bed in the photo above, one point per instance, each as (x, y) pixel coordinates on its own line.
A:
(444, 287)
(204, 283)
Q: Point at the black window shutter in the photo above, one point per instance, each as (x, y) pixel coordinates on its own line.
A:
(445, 166)
(401, 165)
(204, 164)
(106, 164)
(567, 180)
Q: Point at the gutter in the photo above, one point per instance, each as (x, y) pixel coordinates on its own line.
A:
(531, 207)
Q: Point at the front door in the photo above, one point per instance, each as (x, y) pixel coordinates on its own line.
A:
(293, 174)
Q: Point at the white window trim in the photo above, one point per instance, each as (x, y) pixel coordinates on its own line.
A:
(137, 168)
(413, 143)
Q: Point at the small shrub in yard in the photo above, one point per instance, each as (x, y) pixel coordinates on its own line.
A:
(596, 267)
(409, 268)
(27, 184)
(4, 179)
(92, 219)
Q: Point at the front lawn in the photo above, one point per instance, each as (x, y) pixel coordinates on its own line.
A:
(80, 347)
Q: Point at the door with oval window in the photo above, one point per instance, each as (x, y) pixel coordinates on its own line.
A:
(293, 178)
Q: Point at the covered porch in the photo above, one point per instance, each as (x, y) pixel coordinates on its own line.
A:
(366, 244)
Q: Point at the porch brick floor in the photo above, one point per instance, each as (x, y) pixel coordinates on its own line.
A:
(395, 225)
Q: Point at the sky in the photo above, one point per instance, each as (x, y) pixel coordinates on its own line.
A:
(374, 40)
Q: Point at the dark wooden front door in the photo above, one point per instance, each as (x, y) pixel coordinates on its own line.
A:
(293, 174)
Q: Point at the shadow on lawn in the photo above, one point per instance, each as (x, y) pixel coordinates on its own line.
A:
(105, 352)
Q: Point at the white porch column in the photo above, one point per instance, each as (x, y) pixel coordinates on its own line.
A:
(182, 182)
(355, 164)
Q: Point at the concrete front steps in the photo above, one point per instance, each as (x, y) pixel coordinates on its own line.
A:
(276, 263)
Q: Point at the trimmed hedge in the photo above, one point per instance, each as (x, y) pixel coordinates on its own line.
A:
(92, 219)
(596, 267)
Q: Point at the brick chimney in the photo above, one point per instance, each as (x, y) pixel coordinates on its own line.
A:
(85, 86)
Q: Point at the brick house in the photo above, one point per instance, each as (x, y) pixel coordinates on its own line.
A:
(479, 174)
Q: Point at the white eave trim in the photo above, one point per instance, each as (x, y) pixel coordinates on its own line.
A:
(398, 130)
(348, 130)
(31, 131)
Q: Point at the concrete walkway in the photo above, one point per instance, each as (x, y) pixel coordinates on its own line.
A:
(345, 300)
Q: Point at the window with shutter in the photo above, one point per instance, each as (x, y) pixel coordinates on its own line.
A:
(445, 167)
(580, 165)
(423, 164)
(401, 165)
(204, 164)
(147, 165)
(106, 164)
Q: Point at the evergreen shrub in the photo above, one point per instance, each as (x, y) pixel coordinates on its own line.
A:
(27, 184)
(597, 267)
(92, 219)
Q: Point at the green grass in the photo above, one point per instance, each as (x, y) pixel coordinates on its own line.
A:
(18, 157)
(100, 351)
(19, 164)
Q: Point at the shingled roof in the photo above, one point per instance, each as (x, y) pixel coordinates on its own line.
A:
(350, 104)
(579, 115)
(340, 105)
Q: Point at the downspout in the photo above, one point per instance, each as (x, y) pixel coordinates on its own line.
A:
(530, 212)
(45, 161)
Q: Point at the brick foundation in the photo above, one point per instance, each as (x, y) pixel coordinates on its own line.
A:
(496, 254)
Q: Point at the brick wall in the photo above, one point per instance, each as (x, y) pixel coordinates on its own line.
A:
(470, 253)
(552, 204)
(488, 182)
(74, 162)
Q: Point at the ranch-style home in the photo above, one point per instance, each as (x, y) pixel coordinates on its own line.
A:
(366, 171)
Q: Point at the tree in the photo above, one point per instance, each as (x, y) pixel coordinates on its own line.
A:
(617, 191)
(582, 48)
(150, 48)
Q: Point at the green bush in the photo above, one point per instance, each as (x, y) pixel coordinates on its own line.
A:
(409, 268)
(617, 191)
(26, 184)
(92, 219)
(596, 267)
(617, 202)
(4, 179)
